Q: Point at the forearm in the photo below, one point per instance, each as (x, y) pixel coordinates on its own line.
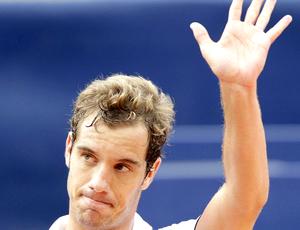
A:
(244, 147)
(239, 57)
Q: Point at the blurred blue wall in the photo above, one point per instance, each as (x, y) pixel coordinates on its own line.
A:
(48, 52)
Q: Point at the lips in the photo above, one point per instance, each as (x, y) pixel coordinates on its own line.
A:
(96, 199)
(96, 205)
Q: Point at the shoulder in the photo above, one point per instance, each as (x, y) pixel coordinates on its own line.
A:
(139, 223)
(60, 223)
(184, 225)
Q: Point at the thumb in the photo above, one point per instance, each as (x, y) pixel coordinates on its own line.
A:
(200, 33)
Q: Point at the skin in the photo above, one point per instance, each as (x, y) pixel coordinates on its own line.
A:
(237, 60)
(106, 175)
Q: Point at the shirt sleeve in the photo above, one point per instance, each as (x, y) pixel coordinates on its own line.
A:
(184, 225)
(60, 223)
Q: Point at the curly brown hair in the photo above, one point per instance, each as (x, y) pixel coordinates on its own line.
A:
(123, 99)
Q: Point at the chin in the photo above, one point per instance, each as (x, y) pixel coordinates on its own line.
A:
(91, 219)
(88, 214)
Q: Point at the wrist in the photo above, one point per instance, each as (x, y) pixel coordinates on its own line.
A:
(237, 97)
(231, 87)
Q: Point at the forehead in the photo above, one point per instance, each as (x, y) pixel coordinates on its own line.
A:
(120, 139)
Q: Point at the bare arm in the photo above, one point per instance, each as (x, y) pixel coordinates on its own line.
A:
(237, 59)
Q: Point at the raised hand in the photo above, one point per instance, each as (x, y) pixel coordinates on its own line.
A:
(240, 55)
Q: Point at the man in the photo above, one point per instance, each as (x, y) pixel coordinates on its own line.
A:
(120, 124)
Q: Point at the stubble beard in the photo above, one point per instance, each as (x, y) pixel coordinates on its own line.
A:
(92, 220)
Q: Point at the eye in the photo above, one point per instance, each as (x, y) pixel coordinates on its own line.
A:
(87, 157)
(122, 167)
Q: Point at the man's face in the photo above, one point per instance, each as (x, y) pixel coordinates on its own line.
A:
(107, 174)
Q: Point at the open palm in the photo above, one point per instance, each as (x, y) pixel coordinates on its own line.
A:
(240, 55)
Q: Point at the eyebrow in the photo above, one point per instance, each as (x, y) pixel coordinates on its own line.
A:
(84, 148)
(130, 161)
(123, 160)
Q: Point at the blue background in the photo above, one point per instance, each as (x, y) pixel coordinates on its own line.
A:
(48, 52)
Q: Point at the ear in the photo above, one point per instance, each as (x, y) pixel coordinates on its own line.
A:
(68, 149)
(151, 174)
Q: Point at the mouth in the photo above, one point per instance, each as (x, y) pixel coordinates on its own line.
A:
(96, 203)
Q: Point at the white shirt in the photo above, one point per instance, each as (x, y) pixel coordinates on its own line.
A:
(184, 225)
(139, 224)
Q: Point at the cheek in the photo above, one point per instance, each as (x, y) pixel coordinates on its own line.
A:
(76, 180)
(128, 195)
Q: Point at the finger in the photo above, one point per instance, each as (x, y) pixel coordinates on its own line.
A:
(235, 10)
(265, 15)
(280, 26)
(253, 11)
(200, 33)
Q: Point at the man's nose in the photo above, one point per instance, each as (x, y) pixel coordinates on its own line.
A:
(101, 179)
